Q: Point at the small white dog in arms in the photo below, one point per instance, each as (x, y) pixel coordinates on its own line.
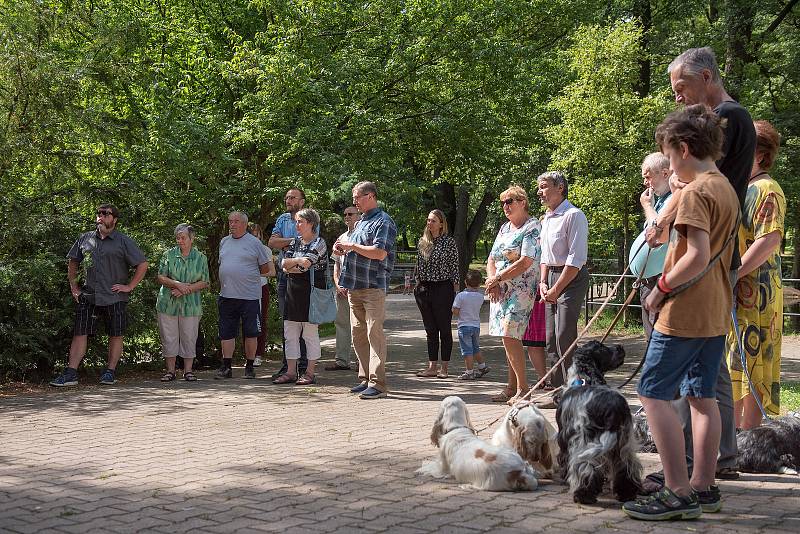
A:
(469, 459)
(526, 430)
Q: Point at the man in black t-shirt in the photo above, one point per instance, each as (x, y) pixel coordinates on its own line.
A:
(695, 79)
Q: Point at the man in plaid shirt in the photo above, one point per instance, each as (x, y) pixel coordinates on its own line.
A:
(368, 260)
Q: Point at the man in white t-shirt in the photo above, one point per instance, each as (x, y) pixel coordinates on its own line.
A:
(344, 338)
(242, 262)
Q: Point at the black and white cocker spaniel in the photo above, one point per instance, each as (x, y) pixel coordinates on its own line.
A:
(595, 429)
(771, 448)
(526, 430)
(469, 459)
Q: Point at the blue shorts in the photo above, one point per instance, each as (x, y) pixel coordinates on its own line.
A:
(233, 312)
(685, 364)
(469, 340)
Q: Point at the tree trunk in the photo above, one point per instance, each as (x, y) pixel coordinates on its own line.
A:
(738, 34)
(643, 12)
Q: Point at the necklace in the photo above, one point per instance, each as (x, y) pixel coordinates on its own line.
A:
(757, 175)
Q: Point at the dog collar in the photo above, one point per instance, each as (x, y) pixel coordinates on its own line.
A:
(460, 426)
(514, 411)
(577, 383)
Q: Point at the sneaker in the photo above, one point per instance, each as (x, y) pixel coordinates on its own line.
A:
(257, 362)
(664, 505)
(67, 378)
(710, 499)
(359, 388)
(224, 372)
(372, 393)
(107, 378)
(249, 372)
(467, 375)
(481, 371)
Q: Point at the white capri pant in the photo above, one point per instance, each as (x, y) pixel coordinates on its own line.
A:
(178, 335)
(310, 332)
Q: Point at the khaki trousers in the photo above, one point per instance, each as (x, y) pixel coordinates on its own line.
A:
(344, 340)
(367, 312)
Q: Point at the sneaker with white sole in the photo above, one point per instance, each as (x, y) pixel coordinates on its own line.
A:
(67, 378)
(664, 506)
(480, 372)
(107, 378)
(467, 375)
(257, 362)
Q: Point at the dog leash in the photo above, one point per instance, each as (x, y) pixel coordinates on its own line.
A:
(740, 347)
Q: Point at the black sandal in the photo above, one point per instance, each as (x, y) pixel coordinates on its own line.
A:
(168, 377)
(189, 376)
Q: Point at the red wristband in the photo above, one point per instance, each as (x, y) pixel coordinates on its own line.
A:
(662, 285)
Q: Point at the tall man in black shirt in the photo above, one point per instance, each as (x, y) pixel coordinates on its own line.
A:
(695, 79)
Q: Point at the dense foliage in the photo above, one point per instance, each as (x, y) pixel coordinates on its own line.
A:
(180, 110)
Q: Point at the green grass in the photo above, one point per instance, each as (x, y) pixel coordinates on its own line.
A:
(790, 397)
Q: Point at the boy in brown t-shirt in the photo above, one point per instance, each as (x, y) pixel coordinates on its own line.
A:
(688, 342)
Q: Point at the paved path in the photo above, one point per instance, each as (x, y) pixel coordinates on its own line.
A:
(248, 456)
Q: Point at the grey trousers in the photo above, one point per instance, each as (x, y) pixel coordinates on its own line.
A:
(562, 319)
(344, 339)
(648, 319)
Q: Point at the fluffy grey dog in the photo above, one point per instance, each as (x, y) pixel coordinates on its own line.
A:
(771, 448)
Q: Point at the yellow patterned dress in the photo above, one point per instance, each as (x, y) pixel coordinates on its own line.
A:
(759, 300)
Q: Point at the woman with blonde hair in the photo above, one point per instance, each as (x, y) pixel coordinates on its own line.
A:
(512, 271)
(436, 281)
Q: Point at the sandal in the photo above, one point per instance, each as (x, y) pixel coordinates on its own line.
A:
(442, 375)
(427, 373)
(168, 377)
(503, 396)
(306, 380)
(285, 379)
(189, 376)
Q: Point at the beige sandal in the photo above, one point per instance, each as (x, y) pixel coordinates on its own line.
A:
(503, 396)
(427, 373)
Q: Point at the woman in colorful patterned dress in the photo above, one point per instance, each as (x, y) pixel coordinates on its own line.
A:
(183, 274)
(759, 295)
(512, 271)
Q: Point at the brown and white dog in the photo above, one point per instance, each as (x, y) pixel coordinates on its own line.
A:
(469, 459)
(526, 430)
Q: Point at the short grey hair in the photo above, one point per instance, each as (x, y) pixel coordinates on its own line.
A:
(365, 188)
(556, 178)
(311, 216)
(694, 61)
(655, 162)
(184, 228)
(242, 216)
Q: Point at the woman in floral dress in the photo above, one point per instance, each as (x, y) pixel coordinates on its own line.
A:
(759, 295)
(512, 271)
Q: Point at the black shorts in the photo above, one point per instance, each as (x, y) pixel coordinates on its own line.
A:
(115, 317)
(233, 312)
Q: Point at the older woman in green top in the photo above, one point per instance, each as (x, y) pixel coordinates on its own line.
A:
(183, 273)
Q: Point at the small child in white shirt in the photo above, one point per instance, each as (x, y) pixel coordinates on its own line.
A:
(407, 285)
(467, 308)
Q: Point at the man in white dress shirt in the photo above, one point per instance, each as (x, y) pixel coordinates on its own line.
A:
(563, 274)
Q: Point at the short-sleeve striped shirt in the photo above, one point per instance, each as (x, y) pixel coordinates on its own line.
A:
(377, 229)
(191, 269)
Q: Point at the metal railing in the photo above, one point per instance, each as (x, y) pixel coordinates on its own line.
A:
(601, 284)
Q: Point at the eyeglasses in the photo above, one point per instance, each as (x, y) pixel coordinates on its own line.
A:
(357, 196)
(508, 201)
(104, 213)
